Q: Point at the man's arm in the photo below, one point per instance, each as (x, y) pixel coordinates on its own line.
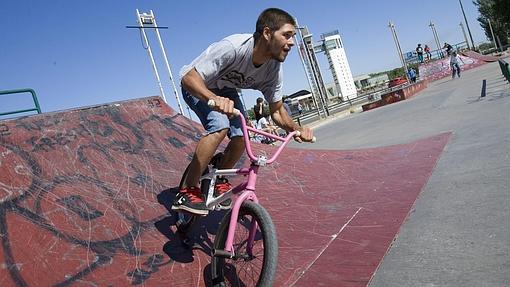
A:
(282, 119)
(193, 83)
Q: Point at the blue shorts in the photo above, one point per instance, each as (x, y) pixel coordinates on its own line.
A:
(212, 120)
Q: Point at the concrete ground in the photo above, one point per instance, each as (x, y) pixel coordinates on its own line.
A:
(458, 232)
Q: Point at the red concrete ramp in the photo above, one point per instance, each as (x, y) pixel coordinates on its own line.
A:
(475, 55)
(439, 69)
(84, 197)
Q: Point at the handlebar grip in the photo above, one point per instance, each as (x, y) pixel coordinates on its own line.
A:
(212, 104)
(298, 133)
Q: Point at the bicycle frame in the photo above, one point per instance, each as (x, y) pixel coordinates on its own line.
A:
(246, 189)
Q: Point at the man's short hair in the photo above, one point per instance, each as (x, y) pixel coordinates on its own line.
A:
(260, 100)
(274, 19)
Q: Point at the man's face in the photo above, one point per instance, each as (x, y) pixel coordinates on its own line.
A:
(281, 41)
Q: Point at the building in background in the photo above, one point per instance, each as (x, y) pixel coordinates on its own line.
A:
(333, 47)
(364, 82)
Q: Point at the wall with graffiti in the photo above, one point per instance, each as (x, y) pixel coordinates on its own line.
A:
(441, 68)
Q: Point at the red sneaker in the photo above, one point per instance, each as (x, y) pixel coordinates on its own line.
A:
(190, 199)
(222, 186)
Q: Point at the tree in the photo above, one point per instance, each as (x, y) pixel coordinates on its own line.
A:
(498, 12)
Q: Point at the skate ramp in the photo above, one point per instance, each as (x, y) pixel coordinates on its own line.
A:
(475, 55)
(439, 69)
(84, 198)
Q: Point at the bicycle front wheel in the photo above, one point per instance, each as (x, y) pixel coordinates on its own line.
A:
(255, 266)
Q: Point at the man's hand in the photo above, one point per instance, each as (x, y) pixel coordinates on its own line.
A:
(306, 135)
(224, 105)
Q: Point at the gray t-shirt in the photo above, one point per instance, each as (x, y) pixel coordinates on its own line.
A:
(229, 63)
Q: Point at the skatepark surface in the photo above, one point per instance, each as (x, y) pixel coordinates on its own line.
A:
(410, 194)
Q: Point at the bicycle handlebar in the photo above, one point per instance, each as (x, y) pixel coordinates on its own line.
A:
(211, 103)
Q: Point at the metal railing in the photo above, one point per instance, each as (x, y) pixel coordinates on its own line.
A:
(335, 108)
(505, 69)
(37, 108)
(411, 57)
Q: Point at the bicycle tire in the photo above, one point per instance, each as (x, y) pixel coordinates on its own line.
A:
(229, 272)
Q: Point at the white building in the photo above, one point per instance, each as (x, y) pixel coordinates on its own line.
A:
(342, 76)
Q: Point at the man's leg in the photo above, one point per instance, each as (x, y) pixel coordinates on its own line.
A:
(232, 153)
(204, 151)
(234, 149)
(190, 197)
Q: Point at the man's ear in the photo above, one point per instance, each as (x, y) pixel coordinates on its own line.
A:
(266, 33)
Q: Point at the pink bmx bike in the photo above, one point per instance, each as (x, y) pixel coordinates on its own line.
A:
(245, 248)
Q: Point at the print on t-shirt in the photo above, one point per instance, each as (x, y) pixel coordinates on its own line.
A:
(238, 80)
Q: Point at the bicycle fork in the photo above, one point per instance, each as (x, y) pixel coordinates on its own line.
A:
(247, 194)
(229, 251)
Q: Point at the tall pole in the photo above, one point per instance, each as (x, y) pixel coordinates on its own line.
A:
(399, 50)
(492, 33)
(312, 68)
(149, 51)
(391, 25)
(436, 38)
(464, 33)
(303, 61)
(467, 25)
(167, 65)
(308, 46)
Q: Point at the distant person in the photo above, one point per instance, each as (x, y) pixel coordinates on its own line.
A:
(454, 64)
(448, 48)
(419, 52)
(300, 108)
(286, 106)
(265, 124)
(412, 75)
(427, 52)
(258, 109)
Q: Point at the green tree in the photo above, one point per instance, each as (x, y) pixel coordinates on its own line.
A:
(498, 11)
(397, 72)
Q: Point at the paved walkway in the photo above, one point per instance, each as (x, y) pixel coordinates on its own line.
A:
(458, 233)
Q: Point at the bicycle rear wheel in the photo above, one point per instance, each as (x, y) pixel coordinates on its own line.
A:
(248, 268)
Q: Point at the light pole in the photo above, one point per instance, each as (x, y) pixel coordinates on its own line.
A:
(148, 21)
(436, 38)
(464, 33)
(467, 25)
(304, 61)
(492, 33)
(312, 65)
(399, 50)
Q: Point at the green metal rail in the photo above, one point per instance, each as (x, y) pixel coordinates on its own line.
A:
(505, 69)
(34, 97)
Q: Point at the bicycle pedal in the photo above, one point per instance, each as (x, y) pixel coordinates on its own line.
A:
(222, 254)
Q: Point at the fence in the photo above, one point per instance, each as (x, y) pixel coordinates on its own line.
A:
(37, 108)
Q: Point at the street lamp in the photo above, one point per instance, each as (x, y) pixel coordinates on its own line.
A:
(467, 25)
(399, 50)
(492, 33)
(436, 38)
(464, 33)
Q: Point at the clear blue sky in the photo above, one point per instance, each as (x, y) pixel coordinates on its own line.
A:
(79, 53)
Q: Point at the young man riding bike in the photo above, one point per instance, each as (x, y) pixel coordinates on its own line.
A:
(240, 61)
